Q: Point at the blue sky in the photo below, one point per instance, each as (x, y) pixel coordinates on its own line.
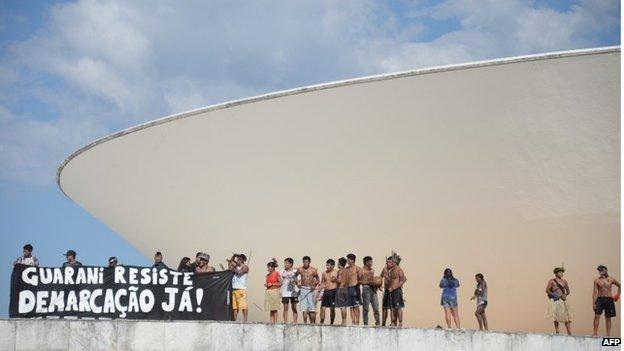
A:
(74, 71)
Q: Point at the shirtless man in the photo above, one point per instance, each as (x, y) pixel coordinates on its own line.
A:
(385, 300)
(354, 296)
(603, 300)
(396, 278)
(329, 283)
(369, 292)
(342, 293)
(308, 285)
(558, 290)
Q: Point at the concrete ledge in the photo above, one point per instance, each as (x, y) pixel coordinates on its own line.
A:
(38, 334)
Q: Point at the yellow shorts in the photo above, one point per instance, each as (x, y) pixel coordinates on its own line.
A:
(239, 299)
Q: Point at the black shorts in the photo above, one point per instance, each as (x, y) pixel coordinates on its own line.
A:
(604, 303)
(329, 298)
(293, 300)
(396, 298)
(385, 300)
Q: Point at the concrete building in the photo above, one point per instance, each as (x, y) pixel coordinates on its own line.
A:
(77, 335)
(507, 167)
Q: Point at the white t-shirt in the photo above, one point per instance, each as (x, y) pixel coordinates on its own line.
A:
(288, 288)
(239, 281)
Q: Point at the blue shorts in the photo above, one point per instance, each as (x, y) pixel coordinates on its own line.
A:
(449, 301)
(353, 296)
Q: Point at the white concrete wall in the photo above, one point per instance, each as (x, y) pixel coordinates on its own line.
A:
(192, 335)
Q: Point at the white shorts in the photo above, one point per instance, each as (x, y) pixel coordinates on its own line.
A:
(307, 300)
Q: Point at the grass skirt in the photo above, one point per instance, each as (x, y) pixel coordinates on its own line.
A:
(559, 311)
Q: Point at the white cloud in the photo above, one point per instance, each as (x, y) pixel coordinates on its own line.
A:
(101, 66)
(31, 150)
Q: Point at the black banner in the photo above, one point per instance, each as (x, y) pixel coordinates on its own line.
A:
(121, 292)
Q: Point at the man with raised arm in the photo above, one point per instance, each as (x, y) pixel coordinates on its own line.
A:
(603, 300)
(239, 285)
(308, 285)
(329, 284)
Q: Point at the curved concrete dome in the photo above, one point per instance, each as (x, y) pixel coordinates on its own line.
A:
(507, 167)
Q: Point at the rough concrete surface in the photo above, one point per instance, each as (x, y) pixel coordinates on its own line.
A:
(38, 334)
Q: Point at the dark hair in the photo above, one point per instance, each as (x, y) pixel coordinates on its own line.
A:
(342, 261)
(448, 274)
(307, 258)
(289, 260)
(197, 254)
(366, 259)
(28, 247)
(480, 276)
(331, 261)
(182, 266)
(272, 263)
(351, 257)
(243, 257)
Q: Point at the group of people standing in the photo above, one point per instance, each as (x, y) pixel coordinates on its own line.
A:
(558, 290)
(350, 286)
(346, 288)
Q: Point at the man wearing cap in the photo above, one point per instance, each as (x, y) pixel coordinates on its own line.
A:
(558, 308)
(71, 259)
(27, 257)
(202, 266)
(112, 262)
(603, 300)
